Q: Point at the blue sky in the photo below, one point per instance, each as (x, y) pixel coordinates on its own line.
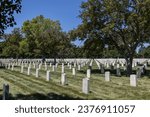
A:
(66, 11)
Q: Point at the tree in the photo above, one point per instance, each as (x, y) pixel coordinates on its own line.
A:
(45, 37)
(122, 23)
(7, 9)
(144, 52)
(11, 48)
(23, 48)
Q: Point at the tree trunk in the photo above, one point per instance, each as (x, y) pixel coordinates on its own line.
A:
(129, 61)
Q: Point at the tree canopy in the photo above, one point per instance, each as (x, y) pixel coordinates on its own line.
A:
(122, 23)
(7, 10)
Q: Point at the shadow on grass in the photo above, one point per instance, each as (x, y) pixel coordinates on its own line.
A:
(38, 96)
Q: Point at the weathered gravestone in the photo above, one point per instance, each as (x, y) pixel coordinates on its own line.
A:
(85, 85)
(5, 91)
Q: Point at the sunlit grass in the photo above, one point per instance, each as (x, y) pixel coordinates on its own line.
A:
(23, 86)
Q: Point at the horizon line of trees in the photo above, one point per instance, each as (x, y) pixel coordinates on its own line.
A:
(44, 38)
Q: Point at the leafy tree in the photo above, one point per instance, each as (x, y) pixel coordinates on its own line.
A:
(23, 48)
(93, 48)
(11, 48)
(144, 52)
(7, 9)
(45, 38)
(122, 23)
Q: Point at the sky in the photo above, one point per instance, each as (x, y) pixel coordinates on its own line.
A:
(66, 11)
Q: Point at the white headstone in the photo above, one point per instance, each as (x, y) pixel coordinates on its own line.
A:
(48, 77)
(28, 73)
(9, 66)
(37, 73)
(40, 65)
(46, 67)
(107, 76)
(53, 68)
(62, 69)
(88, 73)
(73, 71)
(50, 64)
(70, 67)
(79, 67)
(85, 85)
(133, 80)
(63, 79)
(12, 67)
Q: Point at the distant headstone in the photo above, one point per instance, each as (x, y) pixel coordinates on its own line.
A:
(50, 64)
(12, 67)
(62, 69)
(73, 71)
(53, 68)
(48, 77)
(70, 67)
(28, 72)
(118, 72)
(9, 66)
(22, 68)
(46, 66)
(5, 91)
(79, 67)
(133, 80)
(107, 76)
(37, 73)
(85, 85)
(40, 65)
(102, 69)
(88, 73)
(138, 73)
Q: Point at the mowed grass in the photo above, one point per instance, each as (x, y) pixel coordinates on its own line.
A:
(24, 87)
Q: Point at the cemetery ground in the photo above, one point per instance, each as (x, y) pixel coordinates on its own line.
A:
(29, 87)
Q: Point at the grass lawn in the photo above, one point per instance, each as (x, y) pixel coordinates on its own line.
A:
(25, 87)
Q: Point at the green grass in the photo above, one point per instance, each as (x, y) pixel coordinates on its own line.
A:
(23, 86)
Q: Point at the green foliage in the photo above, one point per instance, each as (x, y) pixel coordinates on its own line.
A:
(145, 52)
(122, 23)
(41, 34)
(23, 48)
(11, 44)
(7, 9)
